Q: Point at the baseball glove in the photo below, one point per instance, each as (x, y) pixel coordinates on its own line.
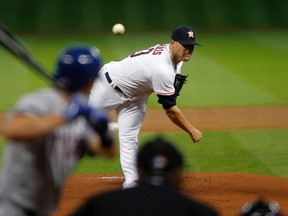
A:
(180, 80)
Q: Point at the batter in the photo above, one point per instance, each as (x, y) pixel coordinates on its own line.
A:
(47, 133)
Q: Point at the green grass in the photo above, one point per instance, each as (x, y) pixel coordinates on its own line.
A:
(240, 69)
(230, 69)
(253, 151)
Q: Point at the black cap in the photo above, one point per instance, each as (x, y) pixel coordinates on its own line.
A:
(158, 156)
(185, 35)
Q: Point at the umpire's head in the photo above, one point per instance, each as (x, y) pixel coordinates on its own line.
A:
(159, 162)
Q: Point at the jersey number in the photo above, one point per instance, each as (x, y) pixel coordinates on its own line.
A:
(157, 51)
(142, 52)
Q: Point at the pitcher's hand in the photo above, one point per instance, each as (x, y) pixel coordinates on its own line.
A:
(196, 135)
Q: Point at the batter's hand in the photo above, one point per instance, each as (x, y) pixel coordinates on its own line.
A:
(196, 135)
(99, 121)
(77, 107)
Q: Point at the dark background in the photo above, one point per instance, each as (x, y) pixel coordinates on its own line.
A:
(62, 16)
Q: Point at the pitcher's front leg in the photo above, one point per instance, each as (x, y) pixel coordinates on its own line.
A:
(130, 120)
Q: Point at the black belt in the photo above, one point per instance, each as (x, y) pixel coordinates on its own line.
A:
(113, 86)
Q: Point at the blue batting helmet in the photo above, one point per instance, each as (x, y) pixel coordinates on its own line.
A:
(77, 65)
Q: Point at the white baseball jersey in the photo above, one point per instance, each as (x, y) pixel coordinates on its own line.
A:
(144, 72)
(137, 76)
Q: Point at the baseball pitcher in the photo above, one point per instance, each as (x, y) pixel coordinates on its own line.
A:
(125, 86)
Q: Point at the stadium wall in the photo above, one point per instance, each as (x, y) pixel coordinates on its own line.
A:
(46, 16)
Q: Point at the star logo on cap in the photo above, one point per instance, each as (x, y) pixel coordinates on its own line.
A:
(190, 34)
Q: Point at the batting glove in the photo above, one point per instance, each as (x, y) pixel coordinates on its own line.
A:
(99, 122)
(77, 107)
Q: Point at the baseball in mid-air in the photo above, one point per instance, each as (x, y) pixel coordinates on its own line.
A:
(118, 29)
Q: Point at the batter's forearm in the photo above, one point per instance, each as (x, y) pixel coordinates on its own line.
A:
(24, 128)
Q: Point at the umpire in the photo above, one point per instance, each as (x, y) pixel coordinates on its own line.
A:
(160, 167)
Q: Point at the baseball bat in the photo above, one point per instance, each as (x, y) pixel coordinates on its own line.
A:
(9, 40)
